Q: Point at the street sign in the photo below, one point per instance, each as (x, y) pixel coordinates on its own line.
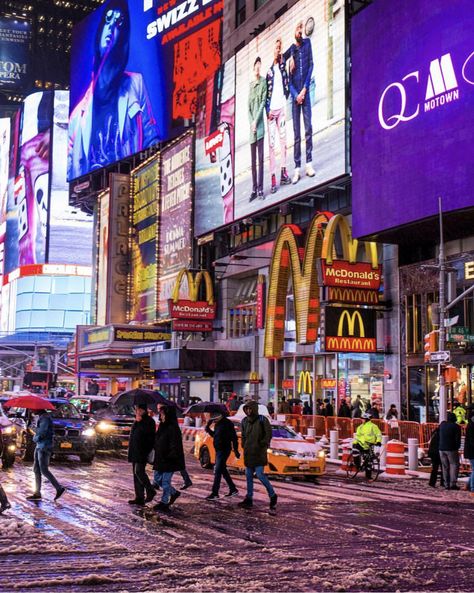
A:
(440, 356)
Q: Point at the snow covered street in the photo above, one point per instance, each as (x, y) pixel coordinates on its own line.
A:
(335, 536)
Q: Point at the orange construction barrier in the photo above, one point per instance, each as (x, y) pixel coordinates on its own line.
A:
(395, 464)
(343, 425)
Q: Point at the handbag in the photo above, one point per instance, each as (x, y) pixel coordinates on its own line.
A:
(151, 457)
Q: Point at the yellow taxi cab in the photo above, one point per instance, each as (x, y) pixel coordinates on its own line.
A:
(289, 453)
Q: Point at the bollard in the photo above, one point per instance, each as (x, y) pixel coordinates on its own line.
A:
(187, 421)
(333, 444)
(412, 454)
(198, 422)
(383, 454)
(311, 432)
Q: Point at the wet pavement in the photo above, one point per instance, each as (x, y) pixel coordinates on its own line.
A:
(338, 535)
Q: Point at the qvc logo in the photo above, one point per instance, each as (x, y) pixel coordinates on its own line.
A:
(441, 88)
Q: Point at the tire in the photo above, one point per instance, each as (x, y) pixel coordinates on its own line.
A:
(352, 469)
(8, 460)
(205, 458)
(375, 464)
(86, 458)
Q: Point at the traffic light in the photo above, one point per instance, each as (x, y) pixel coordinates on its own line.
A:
(430, 344)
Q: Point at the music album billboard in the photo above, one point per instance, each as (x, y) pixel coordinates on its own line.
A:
(214, 162)
(136, 67)
(145, 190)
(175, 243)
(15, 51)
(290, 107)
(412, 112)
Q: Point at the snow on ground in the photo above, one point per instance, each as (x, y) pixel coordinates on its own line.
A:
(336, 536)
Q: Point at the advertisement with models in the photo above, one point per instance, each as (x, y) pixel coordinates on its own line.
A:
(136, 67)
(290, 107)
(412, 112)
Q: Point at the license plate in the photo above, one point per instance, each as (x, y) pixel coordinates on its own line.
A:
(304, 466)
(66, 445)
(124, 443)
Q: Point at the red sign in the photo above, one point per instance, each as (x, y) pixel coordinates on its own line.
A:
(189, 325)
(344, 274)
(287, 384)
(185, 309)
(214, 141)
(260, 305)
(328, 383)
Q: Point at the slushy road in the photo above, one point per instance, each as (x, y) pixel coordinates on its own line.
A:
(335, 536)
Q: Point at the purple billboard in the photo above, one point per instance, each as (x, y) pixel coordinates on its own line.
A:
(412, 112)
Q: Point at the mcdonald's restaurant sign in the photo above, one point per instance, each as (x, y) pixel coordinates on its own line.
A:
(347, 329)
(254, 378)
(192, 308)
(293, 257)
(305, 382)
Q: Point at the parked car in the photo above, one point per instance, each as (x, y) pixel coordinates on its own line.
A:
(72, 434)
(113, 425)
(8, 435)
(289, 453)
(89, 405)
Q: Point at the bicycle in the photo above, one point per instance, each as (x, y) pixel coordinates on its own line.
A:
(369, 463)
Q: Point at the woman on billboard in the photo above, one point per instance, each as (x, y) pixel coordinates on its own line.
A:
(114, 119)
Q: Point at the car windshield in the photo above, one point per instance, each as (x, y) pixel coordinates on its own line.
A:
(283, 432)
(65, 410)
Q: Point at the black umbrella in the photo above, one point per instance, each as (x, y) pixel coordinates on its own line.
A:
(141, 396)
(207, 408)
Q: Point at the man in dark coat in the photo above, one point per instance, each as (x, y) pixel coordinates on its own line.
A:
(469, 446)
(344, 410)
(328, 408)
(142, 440)
(169, 455)
(225, 439)
(449, 445)
(256, 438)
(433, 454)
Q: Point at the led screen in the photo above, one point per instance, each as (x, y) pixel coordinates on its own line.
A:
(412, 112)
(136, 67)
(15, 39)
(4, 170)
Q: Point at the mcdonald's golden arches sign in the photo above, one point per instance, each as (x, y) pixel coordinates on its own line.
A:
(347, 329)
(191, 314)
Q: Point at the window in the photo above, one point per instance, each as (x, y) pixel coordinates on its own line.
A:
(243, 312)
(240, 14)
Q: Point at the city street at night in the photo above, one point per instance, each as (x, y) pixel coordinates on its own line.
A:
(338, 535)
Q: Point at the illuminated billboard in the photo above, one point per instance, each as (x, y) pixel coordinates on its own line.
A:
(214, 167)
(4, 172)
(175, 243)
(145, 187)
(136, 67)
(412, 112)
(15, 41)
(290, 107)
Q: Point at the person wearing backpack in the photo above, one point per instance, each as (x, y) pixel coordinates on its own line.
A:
(256, 438)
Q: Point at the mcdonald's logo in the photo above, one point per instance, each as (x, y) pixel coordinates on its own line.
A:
(351, 321)
(353, 295)
(350, 330)
(305, 382)
(350, 246)
(194, 282)
(254, 378)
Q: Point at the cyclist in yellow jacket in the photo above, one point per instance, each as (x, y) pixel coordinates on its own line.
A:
(366, 435)
(460, 413)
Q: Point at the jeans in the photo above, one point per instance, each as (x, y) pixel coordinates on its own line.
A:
(164, 480)
(277, 124)
(184, 474)
(220, 470)
(249, 471)
(257, 177)
(41, 468)
(305, 107)
(450, 465)
(471, 479)
(141, 481)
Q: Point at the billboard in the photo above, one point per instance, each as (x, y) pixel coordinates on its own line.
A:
(290, 107)
(4, 172)
(412, 112)
(145, 189)
(15, 41)
(214, 167)
(175, 245)
(136, 67)
(103, 257)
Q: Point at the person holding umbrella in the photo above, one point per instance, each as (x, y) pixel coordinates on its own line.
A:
(142, 440)
(225, 439)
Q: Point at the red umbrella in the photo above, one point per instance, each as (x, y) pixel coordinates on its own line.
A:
(29, 402)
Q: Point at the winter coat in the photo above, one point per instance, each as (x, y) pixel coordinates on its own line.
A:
(449, 434)
(356, 409)
(375, 413)
(368, 434)
(44, 433)
(169, 452)
(224, 436)
(256, 437)
(142, 439)
(257, 97)
(328, 410)
(344, 411)
(460, 413)
(469, 441)
(433, 450)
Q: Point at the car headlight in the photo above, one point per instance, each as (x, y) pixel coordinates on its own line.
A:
(105, 426)
(9, 430)
(88, 432)
(321, 454)
(281, 452)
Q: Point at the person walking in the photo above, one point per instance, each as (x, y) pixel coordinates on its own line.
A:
(169, 456)
(307, 409)
(256, 438)
(469, 446)
(44, 447)
(142, 441)
(374, 410)
(392, 413)
(284, 407)
(449, 445)
(256, 108)
(344, 409)
(328, 408)
(225, 439)
(357, 408)
(433, 454)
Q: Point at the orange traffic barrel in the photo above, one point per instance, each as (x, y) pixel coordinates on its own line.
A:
(346, 453)
(395, 464)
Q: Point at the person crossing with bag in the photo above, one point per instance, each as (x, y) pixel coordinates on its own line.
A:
(225, 439)
(142, 441)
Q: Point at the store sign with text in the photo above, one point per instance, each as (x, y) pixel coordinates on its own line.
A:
(185, 309)
(191, 325)
(140, 335)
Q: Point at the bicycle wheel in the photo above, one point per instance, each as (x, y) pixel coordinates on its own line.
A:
(375, 467)
(352, 469)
